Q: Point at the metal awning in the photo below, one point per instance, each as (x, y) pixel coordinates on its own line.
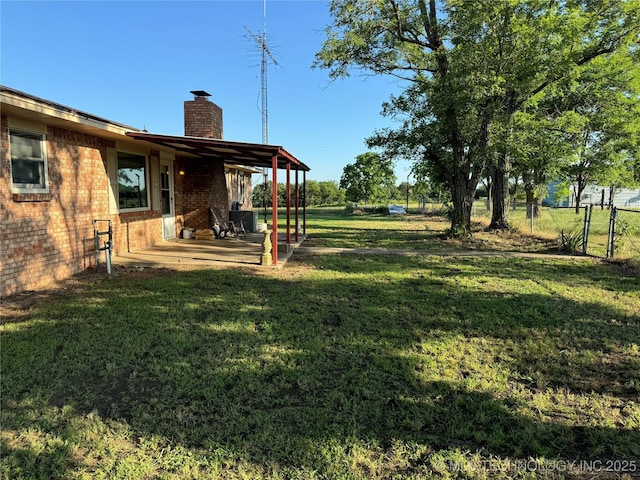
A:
(249, 154)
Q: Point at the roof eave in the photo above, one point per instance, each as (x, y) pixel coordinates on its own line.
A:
(251, 154)
(30, 104)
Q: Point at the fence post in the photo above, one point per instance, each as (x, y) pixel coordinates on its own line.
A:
(612, 233)
(530, 207)
(585, 230)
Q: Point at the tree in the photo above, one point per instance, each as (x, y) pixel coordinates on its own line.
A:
(545, 46)
(403, 191)
(538, 150)
(539, 47)
(370, 178)
(318, 193)
(425, 186)
(606, 130)
(312, 192)
(470, 67)
(562, 191)
(330, 193)
(443, 125)
(259, 196)
(564, 131)
(323, 193)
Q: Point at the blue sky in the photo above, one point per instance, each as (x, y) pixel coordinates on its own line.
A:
(136, 62)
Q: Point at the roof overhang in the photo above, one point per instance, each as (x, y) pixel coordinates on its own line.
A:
(250, 154)
(23, 105)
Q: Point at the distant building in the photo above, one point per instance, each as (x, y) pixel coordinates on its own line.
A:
(596, 195)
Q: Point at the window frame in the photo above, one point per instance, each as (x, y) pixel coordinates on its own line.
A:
(29, 187)
(147, 179)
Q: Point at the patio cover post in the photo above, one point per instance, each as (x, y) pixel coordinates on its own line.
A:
(304, 202)
(274, 209)
(297, 199)
(288, 203)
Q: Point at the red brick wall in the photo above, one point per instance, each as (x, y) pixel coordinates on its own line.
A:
(202, 118)
(203, 184)
(48, 237)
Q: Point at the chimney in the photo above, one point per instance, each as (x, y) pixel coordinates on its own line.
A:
(202, 118)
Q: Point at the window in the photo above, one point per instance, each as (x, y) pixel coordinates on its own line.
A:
(28, 162)
(132, 181)
(165, 189)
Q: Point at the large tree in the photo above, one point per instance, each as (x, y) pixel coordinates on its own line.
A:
(562, 40)
(605, 132)
(471, 66)
(586, 130)
(369, 178)
(539, 151)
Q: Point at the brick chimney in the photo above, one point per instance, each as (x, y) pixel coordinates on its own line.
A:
(202, 118)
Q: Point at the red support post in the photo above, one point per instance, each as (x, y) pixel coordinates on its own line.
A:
(274, 209)
(304, 202)
(288, 203)
(297, 199)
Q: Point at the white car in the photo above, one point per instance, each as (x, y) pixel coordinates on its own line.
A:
(396, 210)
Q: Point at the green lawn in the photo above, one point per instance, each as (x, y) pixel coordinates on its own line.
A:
(332, 227)
(334, 367)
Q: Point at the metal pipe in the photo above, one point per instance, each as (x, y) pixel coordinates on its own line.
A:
(288, 203)
(107, 254)
(274, 209)
(587, 226)
(297, 199)
(612, 233)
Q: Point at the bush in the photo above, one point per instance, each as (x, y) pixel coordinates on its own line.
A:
(571, 242)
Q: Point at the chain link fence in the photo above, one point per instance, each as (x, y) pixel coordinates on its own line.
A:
(596, 230)
(547, 222)
(625, 239)
(535, 219)
(592, 229)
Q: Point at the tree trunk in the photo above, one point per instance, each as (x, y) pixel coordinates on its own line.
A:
(579, 190)
(462, 198)
(500, 212)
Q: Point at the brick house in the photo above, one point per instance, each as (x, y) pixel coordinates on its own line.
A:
(60, 169)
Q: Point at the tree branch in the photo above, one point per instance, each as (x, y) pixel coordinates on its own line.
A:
(406, 36)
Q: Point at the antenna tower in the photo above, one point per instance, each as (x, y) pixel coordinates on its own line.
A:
(261, 41)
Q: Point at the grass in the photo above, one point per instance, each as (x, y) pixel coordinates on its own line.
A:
(335, 367)
(332, 227)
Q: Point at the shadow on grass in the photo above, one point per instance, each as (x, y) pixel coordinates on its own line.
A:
(418, 232)
(278, 371)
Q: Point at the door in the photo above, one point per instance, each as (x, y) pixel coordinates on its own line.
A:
(166, 196)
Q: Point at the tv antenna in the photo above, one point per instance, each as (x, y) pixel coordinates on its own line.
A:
(261, 40)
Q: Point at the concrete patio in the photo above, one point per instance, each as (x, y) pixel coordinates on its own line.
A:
(228, 251)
